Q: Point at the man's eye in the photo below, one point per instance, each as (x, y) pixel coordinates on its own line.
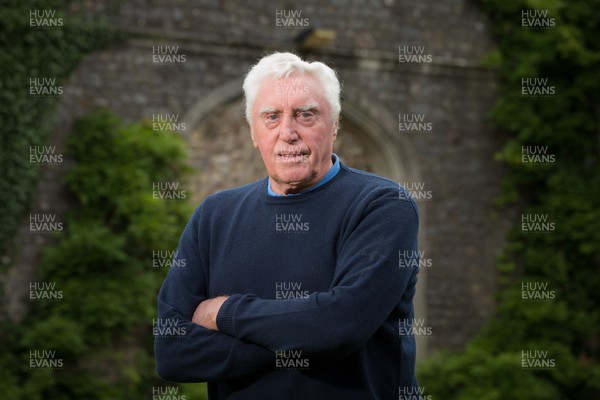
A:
(306, 115)
(271, 119)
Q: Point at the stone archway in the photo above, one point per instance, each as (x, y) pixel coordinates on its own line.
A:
(221, 150)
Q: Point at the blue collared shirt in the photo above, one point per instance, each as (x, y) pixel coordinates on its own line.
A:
(330, 174)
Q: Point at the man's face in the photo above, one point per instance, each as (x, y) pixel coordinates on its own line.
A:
(294, 132)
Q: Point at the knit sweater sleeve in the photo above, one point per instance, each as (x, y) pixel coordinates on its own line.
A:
(368, 284)
(189, 352)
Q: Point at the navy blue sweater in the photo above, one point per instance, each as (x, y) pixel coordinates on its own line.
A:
(316, 286)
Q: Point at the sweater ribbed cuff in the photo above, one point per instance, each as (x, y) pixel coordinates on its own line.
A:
(225, 316)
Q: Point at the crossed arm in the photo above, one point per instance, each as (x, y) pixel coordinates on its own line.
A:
(238, 334)
(205, 314)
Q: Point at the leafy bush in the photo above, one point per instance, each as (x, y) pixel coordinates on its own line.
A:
(567, 191)
(103, 264)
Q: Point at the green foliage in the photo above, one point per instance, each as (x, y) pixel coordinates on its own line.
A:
(567, 258)
(27, 120)
(103, 265)
(479, 374)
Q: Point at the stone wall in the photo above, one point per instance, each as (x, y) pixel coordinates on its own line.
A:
(222, 39)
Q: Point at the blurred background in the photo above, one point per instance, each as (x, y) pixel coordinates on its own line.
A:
(119, 117)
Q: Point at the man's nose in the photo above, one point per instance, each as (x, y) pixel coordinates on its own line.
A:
(288, 129)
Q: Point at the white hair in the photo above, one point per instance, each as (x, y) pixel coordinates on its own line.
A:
(285, 64)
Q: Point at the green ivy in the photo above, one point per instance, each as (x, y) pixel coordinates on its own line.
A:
(101, 329)
(566, 191)
(27, 120)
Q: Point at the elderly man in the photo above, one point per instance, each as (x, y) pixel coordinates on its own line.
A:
(292, 287)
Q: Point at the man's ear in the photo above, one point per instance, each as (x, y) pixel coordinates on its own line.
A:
(253, 138)
(336, 127)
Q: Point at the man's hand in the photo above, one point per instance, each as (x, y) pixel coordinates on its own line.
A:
(206, 312)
